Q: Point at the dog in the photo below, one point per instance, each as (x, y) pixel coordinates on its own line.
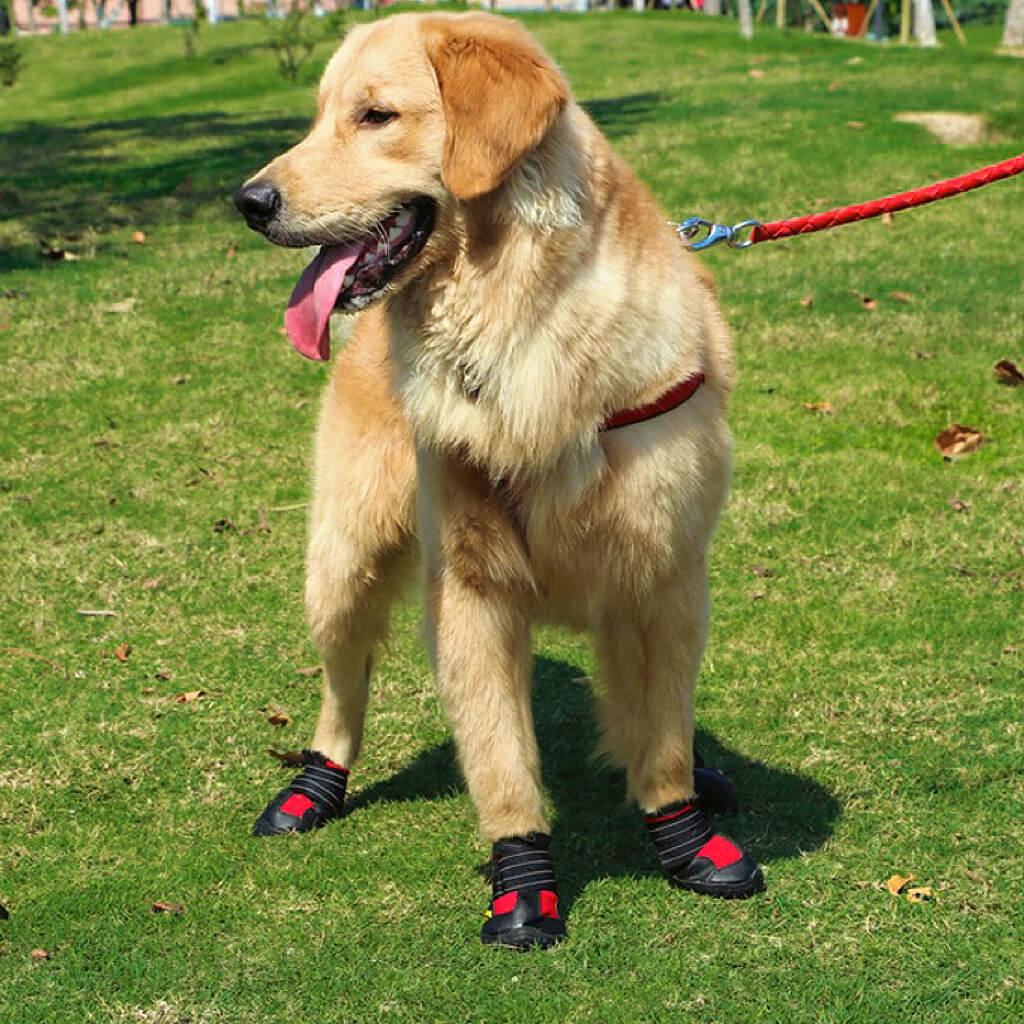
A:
(533, 398)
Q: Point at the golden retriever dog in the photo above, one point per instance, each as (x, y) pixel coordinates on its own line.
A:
(533, 398)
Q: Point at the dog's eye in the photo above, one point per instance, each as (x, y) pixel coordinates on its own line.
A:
(376, 115)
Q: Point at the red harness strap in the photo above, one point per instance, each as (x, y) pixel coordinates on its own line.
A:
(669, 400)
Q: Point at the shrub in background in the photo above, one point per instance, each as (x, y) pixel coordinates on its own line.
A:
(10, 61)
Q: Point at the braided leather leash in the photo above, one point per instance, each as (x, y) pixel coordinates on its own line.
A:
(692, 228)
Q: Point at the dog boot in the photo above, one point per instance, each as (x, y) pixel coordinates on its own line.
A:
(314, 797)
(715, 793)
(524, 904)
(696, 857)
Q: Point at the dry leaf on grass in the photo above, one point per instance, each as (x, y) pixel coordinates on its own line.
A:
(807, 301)
(887, 219)
(104, 613)
(855, 125)
(921, 894)
(898, 886)
(139, 237)
(897, 883)
(294, 758)
(901, 296)
(123, 652)
(189, 697)
(755, 73)
(41, 954)
(312, 670)
(823, 407)
(160, 907)
(957, 504)
(278, 717)
(762, 571)
(1008, 373)
(924, 355)
(957, 440)
(124, 306)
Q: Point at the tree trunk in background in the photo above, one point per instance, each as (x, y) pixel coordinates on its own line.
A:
(746, 19)
(1013, 33)
(924, 23)
(62, 16)
(712, 6)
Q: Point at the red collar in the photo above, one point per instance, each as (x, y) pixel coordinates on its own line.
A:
(669, 400)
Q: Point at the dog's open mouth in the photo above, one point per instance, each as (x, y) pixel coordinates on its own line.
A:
(351, 276)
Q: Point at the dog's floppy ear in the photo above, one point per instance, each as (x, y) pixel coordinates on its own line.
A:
(500, 93)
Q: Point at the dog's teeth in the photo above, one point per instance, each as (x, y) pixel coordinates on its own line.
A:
(349, 278)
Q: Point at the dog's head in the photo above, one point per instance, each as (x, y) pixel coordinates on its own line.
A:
(415, 114)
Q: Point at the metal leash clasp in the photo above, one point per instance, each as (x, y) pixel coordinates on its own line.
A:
(692, 228)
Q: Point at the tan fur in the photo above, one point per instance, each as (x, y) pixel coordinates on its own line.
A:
(551, 294)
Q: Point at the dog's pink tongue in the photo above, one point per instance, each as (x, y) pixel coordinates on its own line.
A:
(307, 319)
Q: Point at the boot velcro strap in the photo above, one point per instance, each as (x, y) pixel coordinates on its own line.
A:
(522, 863)
(678, 831)
(322, 781)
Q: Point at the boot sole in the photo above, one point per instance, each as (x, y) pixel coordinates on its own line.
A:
(723, 890)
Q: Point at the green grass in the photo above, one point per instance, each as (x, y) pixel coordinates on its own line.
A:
(865, 696)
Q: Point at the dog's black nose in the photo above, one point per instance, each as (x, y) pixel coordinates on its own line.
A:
(258, 203)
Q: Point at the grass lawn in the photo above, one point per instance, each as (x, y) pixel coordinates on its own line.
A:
(863, 681)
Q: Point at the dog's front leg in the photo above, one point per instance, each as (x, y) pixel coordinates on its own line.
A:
(362, 548)
(480, 594)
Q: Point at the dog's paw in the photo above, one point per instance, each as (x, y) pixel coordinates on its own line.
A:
(524, 920)
(314, 797)
(715, 793)
(720, 869)
(695, 857)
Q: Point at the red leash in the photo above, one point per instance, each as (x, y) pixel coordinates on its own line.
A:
(716, 233)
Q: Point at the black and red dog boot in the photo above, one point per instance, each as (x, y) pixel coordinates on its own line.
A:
(697, 858)
(313, 798)
(715, 793)
(524, 900)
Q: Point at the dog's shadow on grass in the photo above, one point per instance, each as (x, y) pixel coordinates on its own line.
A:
(596, 832)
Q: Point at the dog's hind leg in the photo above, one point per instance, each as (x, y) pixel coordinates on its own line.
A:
(649, 657)
(361, 549)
